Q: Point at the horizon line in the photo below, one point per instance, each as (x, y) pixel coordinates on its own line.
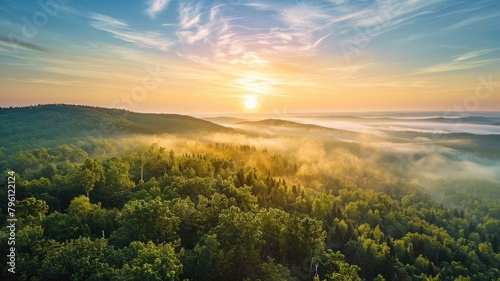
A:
(247, 113)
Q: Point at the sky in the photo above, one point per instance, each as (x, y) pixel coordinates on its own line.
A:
(279, 56)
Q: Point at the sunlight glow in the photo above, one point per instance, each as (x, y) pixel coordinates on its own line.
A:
(250, 102)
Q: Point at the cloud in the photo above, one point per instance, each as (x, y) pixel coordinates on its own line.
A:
(463, 61)
(190, 37)
(348, 16)
(414, 37)
(303, 16)
(386, 15)
(25, 45)
(121, 30)
(105, 20)
(191, 29)
(256, 47)
(287, 30)
(338, 2)
(52, 82)
(189, 15)
(302, 40)
(156, 6)
(260, 6)
(471, 21)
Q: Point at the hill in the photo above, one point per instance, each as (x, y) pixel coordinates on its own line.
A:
(224, 120)
(291, 128)
(51, 125)
(279, 122)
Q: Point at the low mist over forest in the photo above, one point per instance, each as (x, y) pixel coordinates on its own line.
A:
(107, 194)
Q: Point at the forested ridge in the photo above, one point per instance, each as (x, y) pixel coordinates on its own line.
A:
(150, 214)
(99, 199)
(55, 124)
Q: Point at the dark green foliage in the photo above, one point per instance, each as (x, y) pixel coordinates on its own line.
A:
(52, 125)
(157, 215)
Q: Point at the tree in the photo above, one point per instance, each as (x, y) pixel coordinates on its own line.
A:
(148, 261)
(206, 260)
(210, 208)
(240, 237)
(91, 216)
(79, 259)
(88, 174)
(304, 239)
(186, 211)
(335, 268)
(117, 187)
(274, 224)
(62, 227)
(31, 210)
(145, 155)
(150, 220)
(31, 246)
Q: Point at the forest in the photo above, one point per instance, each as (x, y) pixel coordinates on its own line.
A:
(134, 208)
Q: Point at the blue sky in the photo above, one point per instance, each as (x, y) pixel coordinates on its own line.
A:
(209, 56)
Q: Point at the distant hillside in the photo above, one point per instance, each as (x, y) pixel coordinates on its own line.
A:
(282, 123)
(224, 120)
(284, 127)
(48, 125)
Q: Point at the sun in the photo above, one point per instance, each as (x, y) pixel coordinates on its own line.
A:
(250, 102)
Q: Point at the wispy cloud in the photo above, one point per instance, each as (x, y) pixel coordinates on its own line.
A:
(349, 16)
(362, 23)
(414, 37)
(189, 15)
(471, 21)
(121, 30)
(295, 30)
(52, 82)
(102, 20)
(303, 16)
(250, 41)
(191, 30)
(338, 2)
(15, 42)
(260, 6)
(468, 60)
(387, 15)
(156, 6)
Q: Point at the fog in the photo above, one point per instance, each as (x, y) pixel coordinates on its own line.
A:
(309, 155)
(430, 122)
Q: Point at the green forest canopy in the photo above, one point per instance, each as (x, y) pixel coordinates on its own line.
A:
(205, 218)
(226, 211)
